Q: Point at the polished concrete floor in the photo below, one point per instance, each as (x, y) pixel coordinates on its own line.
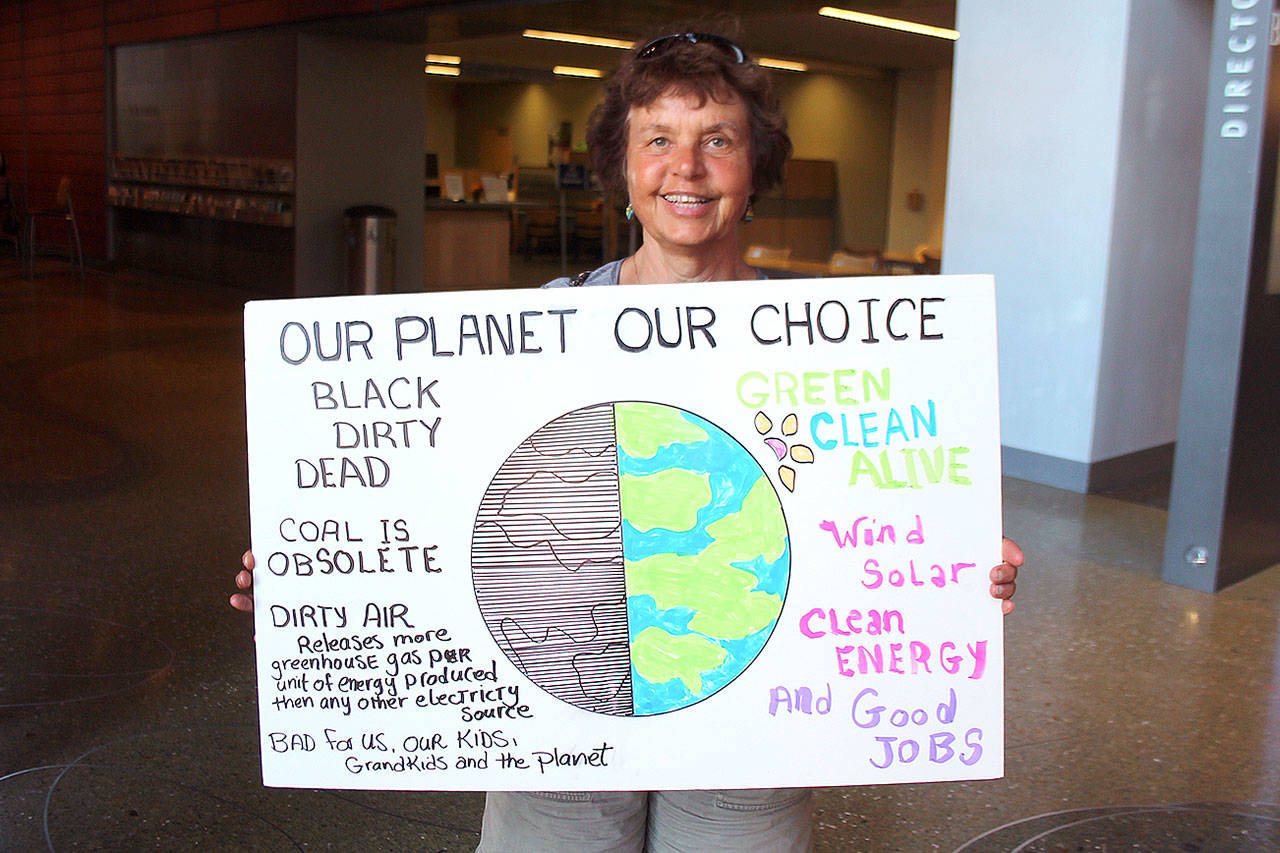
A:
(1140, 716)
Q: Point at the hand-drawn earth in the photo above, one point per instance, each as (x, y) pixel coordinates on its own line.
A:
(630, 558)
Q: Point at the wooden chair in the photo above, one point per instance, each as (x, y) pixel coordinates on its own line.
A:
(854, 263)
(62, 211)
(768, 257)
(541, 223)
(930, 261)
(929, 258)
(588, 231)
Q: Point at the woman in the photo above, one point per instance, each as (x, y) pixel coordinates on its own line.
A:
(690, 130)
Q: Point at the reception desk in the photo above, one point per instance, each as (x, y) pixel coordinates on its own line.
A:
(466, 245)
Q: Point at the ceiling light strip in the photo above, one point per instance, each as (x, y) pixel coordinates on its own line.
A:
(573, 71)
(444, 70)
(781, 64)
(889, 23)
(443, 59)
(573, 38)
(623, 44)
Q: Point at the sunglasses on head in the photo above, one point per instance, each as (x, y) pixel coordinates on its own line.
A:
(658, 45)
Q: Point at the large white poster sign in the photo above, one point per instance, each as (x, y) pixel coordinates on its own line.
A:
(715, 536)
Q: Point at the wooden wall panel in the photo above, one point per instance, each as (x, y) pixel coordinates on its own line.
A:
(246, 14)
(68, 81)
(65, 143)
(127, 11)
(57, 64)
(388, 5)
(54, 56)
(86, 20)
(67, 163)
(42, 117)
(69, 101)
(62, 104)
(193, 23)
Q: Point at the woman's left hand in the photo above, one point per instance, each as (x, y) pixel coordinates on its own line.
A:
(1004, 575)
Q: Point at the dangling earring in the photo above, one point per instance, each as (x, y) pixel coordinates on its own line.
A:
(748, 214)
(631, 212)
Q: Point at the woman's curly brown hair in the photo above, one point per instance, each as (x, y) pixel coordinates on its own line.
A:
(682, 67)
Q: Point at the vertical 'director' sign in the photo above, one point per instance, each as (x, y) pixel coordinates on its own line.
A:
(1244, 32)
(677, 536)
(1234, 124)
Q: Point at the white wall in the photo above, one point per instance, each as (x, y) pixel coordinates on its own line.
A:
(1153, 232)
(1072, 177)
(849, 120)
(531, 111)
(1034, 140)
(360, 138)
(441, 122)
(921, 120)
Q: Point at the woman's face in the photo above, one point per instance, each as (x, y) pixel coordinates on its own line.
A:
(689, 170)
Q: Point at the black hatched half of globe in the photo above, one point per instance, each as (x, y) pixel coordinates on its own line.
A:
(548, 567)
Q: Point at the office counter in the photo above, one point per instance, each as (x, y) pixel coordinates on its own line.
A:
(466, 245)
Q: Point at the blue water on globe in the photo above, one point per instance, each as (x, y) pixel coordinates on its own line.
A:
(731, 473)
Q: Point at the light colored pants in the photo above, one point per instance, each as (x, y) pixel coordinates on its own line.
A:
(773, 820)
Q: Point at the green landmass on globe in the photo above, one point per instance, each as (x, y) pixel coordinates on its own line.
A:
(668, 499)
(701, 594)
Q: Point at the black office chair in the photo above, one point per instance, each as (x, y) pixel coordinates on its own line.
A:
(62, 211)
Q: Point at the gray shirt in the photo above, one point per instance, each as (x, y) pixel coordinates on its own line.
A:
(605, 275)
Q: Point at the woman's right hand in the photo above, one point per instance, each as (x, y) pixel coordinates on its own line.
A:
(244, 580)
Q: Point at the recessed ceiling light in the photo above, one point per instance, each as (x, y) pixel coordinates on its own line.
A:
(890, 23)
(444, 59)
(782, 64)
(573, 38)
(571, 71)
(444, 70)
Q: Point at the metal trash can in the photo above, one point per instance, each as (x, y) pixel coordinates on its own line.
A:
(371, 249)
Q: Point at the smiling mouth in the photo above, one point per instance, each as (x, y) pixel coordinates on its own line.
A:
(683, 200)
